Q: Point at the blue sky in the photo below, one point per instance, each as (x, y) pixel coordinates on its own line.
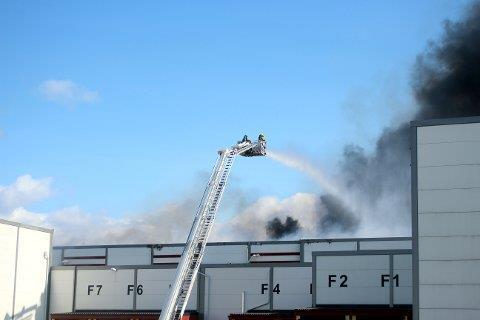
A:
(124, 104)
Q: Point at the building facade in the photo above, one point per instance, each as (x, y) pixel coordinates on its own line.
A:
(446, 219)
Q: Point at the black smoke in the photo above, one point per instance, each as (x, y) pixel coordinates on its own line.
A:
(277, 229)
(445, 84)
(336, 216)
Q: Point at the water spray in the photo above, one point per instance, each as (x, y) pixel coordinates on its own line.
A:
(302, 165)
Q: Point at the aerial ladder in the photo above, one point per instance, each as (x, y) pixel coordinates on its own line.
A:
(202, 225)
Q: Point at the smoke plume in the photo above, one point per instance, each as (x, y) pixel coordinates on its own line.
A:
(445, 83)
(277, 229)
(337, 216)
(369, 197)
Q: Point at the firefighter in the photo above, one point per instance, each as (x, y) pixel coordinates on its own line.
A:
(245, 139)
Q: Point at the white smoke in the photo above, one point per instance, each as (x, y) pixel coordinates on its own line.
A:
(249, 222)
(315, 173)
(344, 211)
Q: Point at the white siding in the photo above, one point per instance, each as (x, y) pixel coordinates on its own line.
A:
(129, 256)
(440, 272)
(449, 133)
(23, 271)
(224, 287)
(104, 289)
(167, 255)
(449, 314)
(278, 248)
(360, 275)
(448, 224)
(84, 252)
(385, 245)
(61, 290)
(80, 262)
(8, 248)
(448, 177)
(155, 284)
(450, 296)
(450, 200)
(402, 267)
(448, 154)
(292, 288)
(84, 256)
(448, 158)
(227, 254)
(449, 248)
(327, 246)
(275, 258)
(32, 274)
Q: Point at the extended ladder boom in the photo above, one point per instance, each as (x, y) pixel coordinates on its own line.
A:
(202, 224)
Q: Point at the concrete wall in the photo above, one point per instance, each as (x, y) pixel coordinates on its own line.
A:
(446, 215)
(24, 263)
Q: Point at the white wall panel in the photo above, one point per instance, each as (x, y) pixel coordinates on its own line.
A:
(441, 154)
(84, 252)
(32, 274)
(168, 250)
(449, 314)
(450, 272)
(449, 248)
(327, 246)
(275, 258)
(358, 279)
(291, 288)
(217, 254)
(452, 200)
(83, 262)
(167, 255)
(402, 286)
(8, 248)
(449, 224)
(448, 173)
(129, 256)
(448, 177)
(385, 245)
(449, 133)
(104, 289)
(224, 287)
(61, 290)
(155, 286)
(278, 248)
(450, 296)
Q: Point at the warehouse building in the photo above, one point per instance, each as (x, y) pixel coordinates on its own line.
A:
(235, 277)
(446, 218)
(435, 275)
(24, 266)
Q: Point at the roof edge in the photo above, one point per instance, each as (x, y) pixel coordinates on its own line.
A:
(444, 121)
